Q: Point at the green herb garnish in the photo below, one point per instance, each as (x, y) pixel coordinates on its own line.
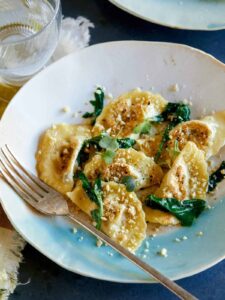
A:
(104, 141)
(129, 182)
(185, 211)
(175, 151)
(95, 194)
(97, 104)
(143, 128)
(109, 143)
(175, 113)
(165, 138)
(216, 177)
(108, 156)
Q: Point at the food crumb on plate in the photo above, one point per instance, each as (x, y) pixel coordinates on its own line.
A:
(138, 89)
(66, 109)
(177, 240)
(174, 88)
(163, 252)
(75, 115)
(74, 230)
(109, 96)
(147, 244)
(99, 243)
(200, 233)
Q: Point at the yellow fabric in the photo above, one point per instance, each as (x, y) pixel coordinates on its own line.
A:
(6, 94)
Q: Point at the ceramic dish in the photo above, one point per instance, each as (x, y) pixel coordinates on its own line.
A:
(119, 66)
(187, 14)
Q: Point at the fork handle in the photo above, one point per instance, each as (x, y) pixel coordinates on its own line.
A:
(169, 284)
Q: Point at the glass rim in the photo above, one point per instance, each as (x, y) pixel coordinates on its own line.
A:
(56, 11)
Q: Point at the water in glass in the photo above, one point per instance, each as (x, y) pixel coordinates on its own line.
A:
(29, 31)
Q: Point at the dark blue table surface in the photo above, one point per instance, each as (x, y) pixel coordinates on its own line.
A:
(49, 281)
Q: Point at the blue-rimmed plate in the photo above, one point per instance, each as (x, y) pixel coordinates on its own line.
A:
(118, 66)
(186, 14)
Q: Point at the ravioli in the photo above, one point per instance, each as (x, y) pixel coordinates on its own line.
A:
(149, 144)
(194, 131)
(208, 134)
(217, 124)
(155, 216)
(127, 162)
(123, 218)
(121, 116)
(143, 193)
(57, 153)
(188, 176)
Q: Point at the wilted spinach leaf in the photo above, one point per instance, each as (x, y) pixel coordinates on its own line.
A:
(95, 194)
(175, 113)
(97, 104)
(185, 211)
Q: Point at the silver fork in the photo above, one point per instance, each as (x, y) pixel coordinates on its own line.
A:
(47, 201)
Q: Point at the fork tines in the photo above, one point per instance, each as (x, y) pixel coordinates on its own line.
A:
(22, 181)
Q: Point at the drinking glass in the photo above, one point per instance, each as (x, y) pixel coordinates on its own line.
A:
(29, 32)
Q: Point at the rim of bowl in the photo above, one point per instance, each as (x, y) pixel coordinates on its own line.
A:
(56, 11)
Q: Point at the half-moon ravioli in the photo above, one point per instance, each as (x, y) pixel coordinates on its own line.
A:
(217, 124)
(188, 176)
(208, 134)
(123, 218)
(155, 216)
(127, 162)
(57, 154)
(194, 131)
(122, 115)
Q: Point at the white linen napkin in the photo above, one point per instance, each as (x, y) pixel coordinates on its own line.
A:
(74, 36)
